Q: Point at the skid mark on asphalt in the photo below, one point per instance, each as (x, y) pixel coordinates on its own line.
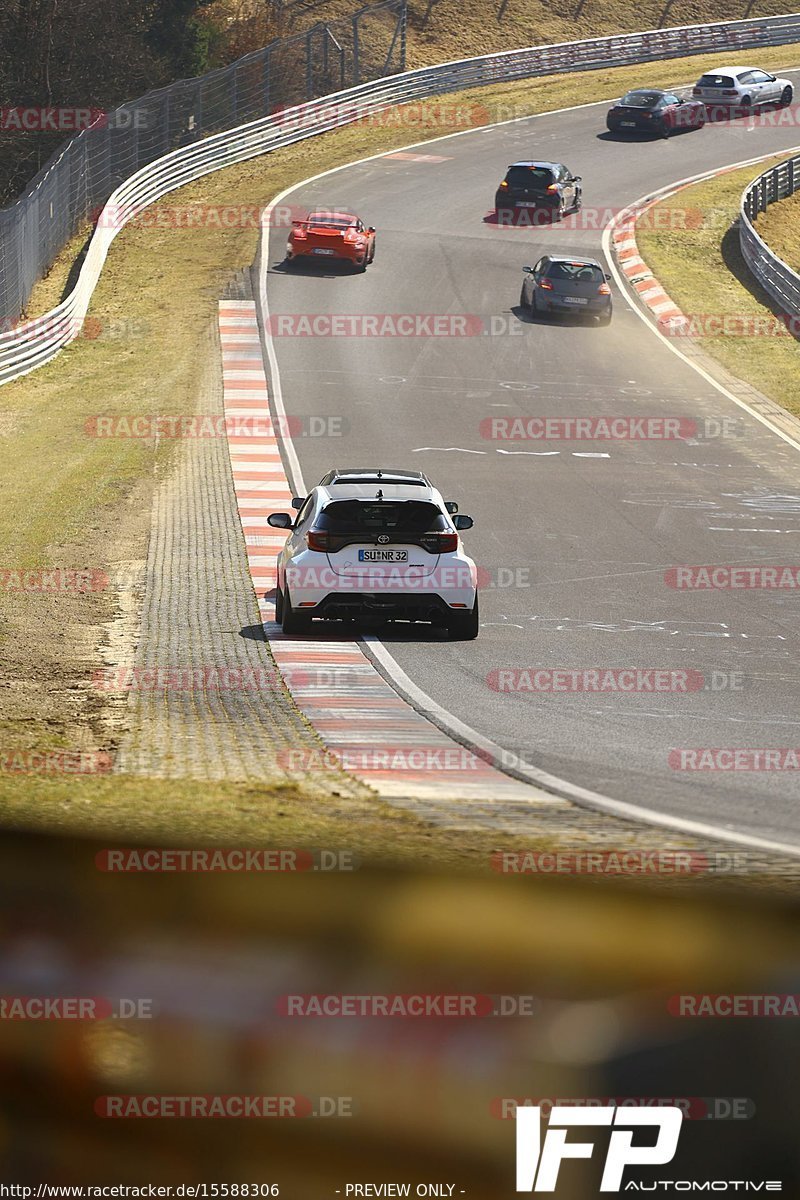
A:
(360, 717)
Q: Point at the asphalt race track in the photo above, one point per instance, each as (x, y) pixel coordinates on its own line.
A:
(584, 530)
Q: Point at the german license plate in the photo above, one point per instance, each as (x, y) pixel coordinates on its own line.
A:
(575, 300)
(322, 250)
(628, 124)
(526, 204)
(383, 556)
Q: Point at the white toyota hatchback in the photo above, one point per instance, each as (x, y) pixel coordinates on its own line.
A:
(376, 543)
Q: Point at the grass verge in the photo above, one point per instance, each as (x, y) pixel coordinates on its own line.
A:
(462, 28)
(779, 226)
(703, 271)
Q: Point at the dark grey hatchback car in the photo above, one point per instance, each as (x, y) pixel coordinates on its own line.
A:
(560, 285)
(545, 190)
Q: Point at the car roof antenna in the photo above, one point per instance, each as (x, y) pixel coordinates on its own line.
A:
(379, 474)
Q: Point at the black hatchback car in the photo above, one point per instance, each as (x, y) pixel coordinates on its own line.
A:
(545, 188)
(649, 110)
(559, 285)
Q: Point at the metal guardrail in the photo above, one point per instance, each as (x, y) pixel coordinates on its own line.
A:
(776, 278)
(74, 184)
(36, 342)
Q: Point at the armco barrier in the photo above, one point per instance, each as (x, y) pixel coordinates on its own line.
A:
(776, 278)
(34, 343)
(76, 181)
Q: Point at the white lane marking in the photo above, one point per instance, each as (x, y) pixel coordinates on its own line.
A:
(534, 453)
(534, 775)
(400, 681)
(589, 454)
(662, 194)
(444, 449)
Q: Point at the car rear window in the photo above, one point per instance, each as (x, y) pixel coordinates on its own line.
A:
(536, 178)
(641, 99)
(380, 516)
(576, 272)
(715, 81)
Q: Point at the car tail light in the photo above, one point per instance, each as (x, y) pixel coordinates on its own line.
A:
(729, 92)
(604, 290)
(546, 284)
(316, 540)
(552, 187)
(298, 233)
(503, 185)
(440, 543)
(697, 91)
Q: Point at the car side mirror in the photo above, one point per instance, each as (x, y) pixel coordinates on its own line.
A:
(772, 78)
(371, 229)
(463, 522)
(298, 502)
(279, 520)
(607, 277)
(451, 506)
(577, 178)
(528, 270)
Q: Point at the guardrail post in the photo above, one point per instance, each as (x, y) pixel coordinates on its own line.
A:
(403, 33)
(356, 52)
(309, 66)
(265, 76)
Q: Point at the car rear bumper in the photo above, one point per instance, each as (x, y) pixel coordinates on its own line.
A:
(595, 308)
(526, 202)
(386, 606)
(637, 126)
(339, 254)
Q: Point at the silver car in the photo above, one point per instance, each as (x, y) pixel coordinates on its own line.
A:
(741, 87)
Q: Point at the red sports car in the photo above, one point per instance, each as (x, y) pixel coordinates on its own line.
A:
(332, 235)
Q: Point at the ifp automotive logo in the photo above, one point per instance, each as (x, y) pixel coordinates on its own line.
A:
(538, 1163)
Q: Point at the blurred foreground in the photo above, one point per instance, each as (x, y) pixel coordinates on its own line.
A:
(203, 970)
